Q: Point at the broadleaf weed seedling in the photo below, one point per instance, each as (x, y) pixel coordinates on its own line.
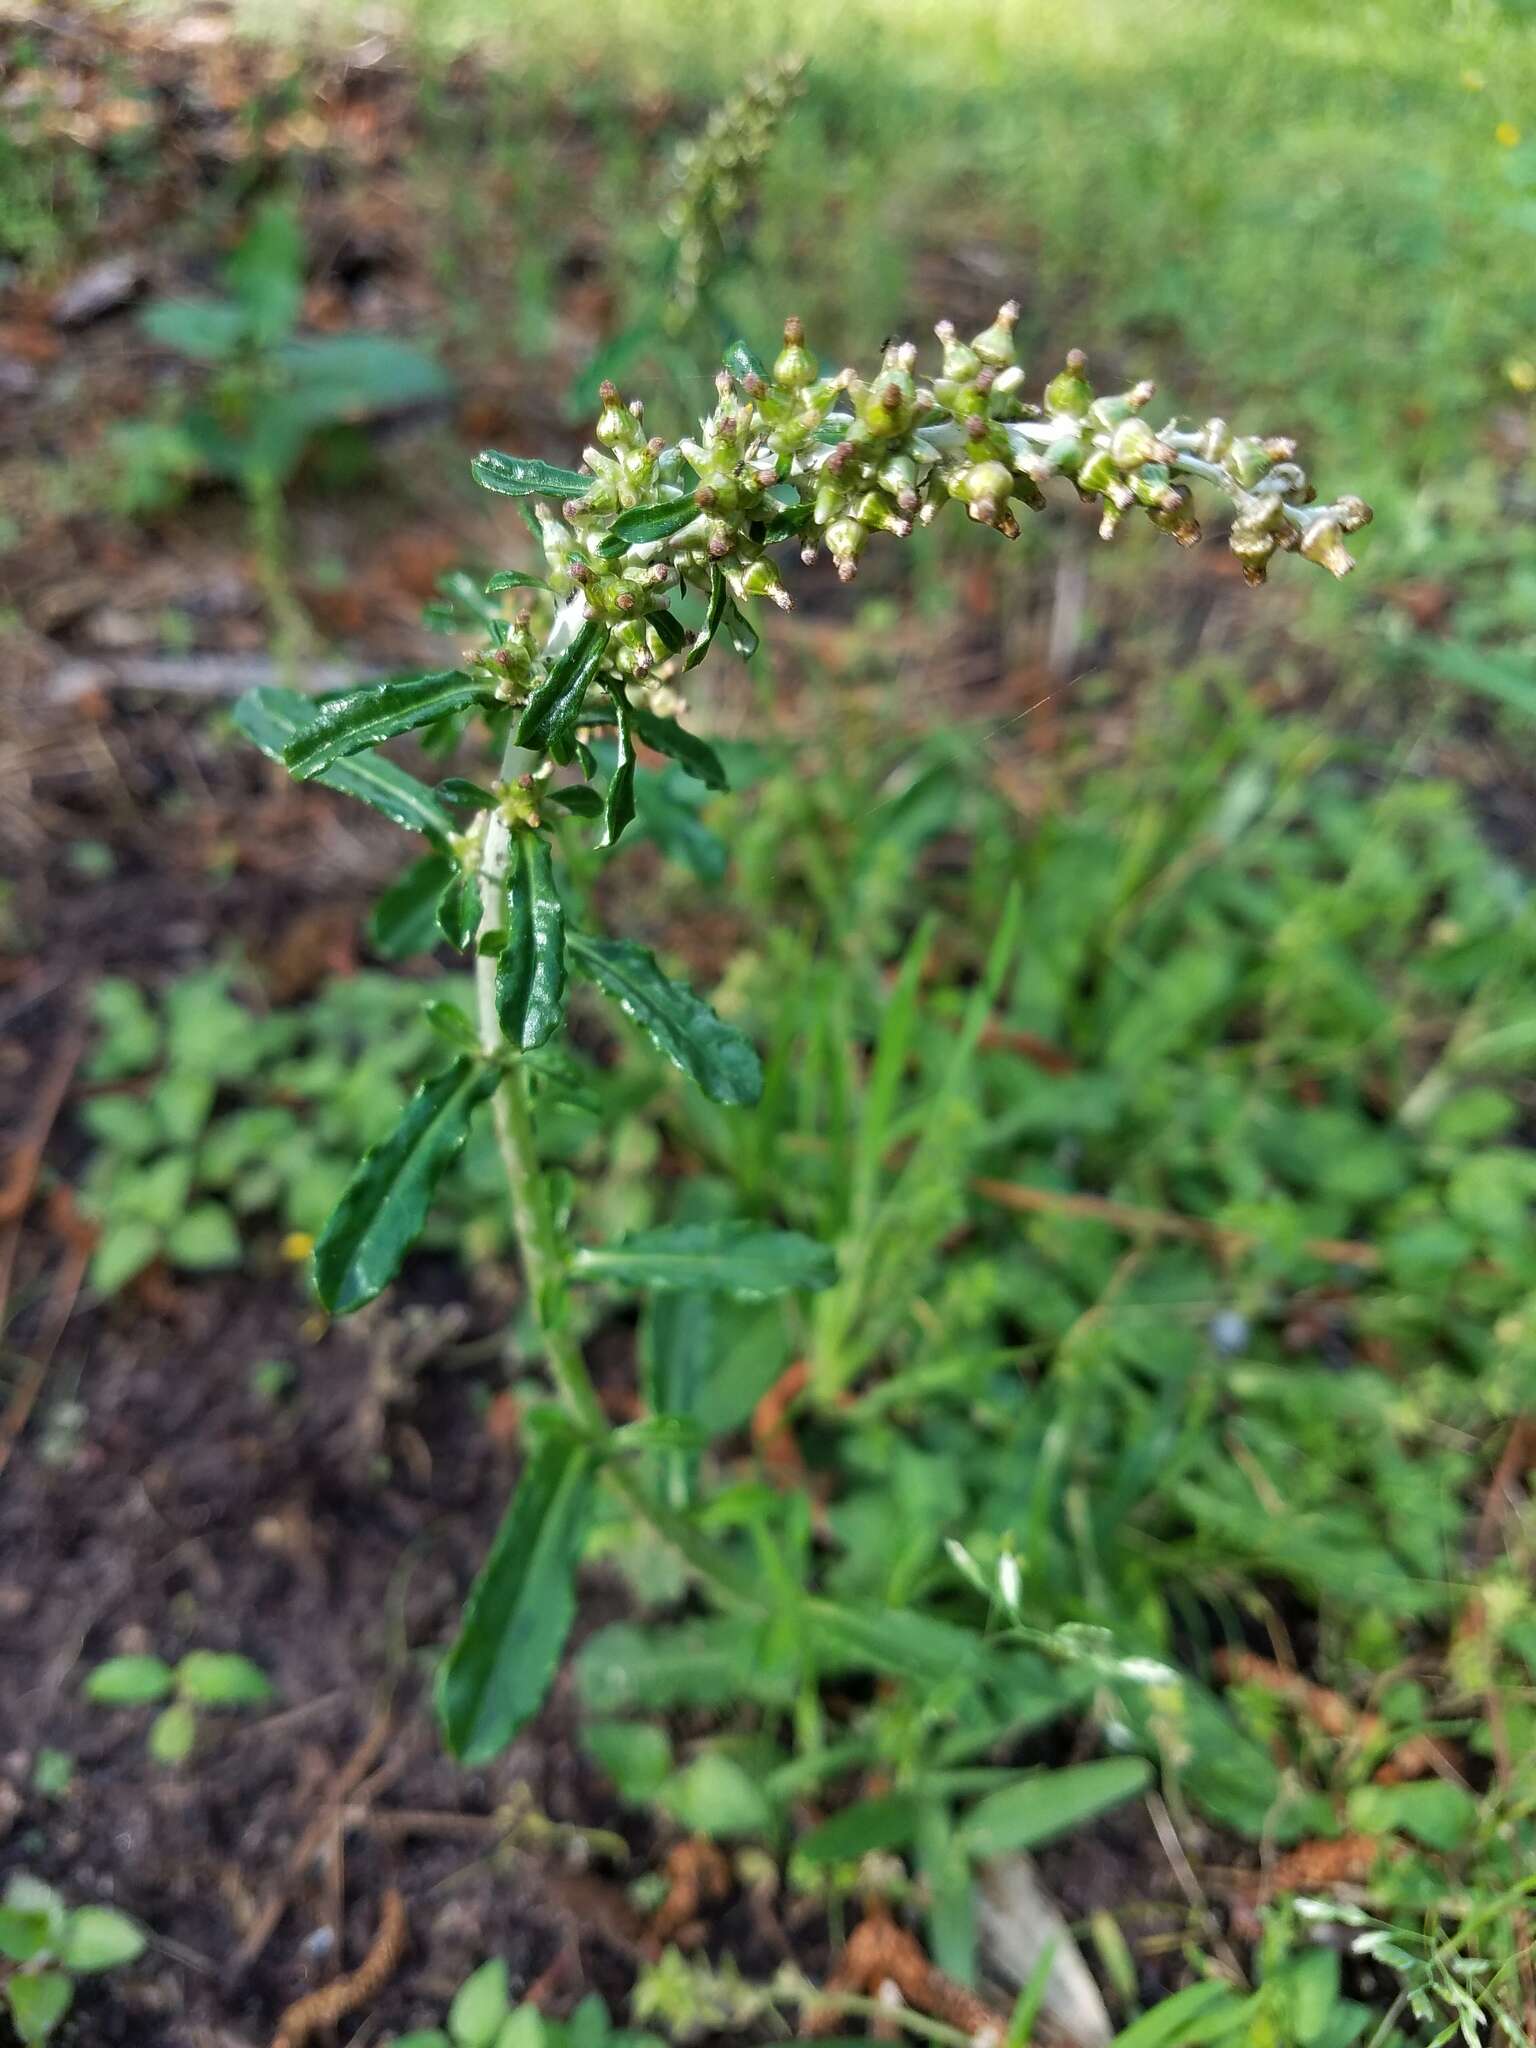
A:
(204, 1681)
(598, 644)
(45, 1945)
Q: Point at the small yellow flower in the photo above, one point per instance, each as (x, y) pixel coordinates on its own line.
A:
(297, 1245)
(1506, 135)
(1521, 372)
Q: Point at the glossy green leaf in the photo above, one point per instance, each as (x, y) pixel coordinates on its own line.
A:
(451, 1024)
(742, 362)
(550, 715)
(38, 2003)
(644, 523)
(680, 1024)
(362, 718)
(129, 1682)
(97, 1938)
(520, 1607)
(619, 798)
(669, 630)
(513, 476)
(530, 968)
(579, 798)
(221, 1678)
(404, 920)
(513, 579)
(1049, 1803)
(887, 1823)
(458, 909)
(697, 757)
(741, 1259)
(381, 1214)
(719, 598)
(739, 629)
(457, 790)
(788, 523)
(272, 718)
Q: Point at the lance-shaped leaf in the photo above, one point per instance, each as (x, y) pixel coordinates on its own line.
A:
(619, 798)
(361, 718)
(1045, 1804)
(579, 798)
(695, 756)
(530, 968)
(514, 579)
(741, 1259)
(642, 523)
(678, 1023)
(549, 718)
(723, 612)
(520, 1607)
(458, 909)
(384, 1205)
(669, 630)
(271, 718)
(514, 477)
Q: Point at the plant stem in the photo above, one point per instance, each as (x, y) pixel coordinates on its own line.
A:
(545, 1265)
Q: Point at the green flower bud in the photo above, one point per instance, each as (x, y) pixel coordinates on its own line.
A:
(994, 344)
(761, 579)
(846, 541)
(887, 409)
(991, 481)
(960, 363)
(1249, 460)
(1069, 390)
(1134, 443)
(1323, 543)
(1098, 472)
(794, 367)
(1253, 548)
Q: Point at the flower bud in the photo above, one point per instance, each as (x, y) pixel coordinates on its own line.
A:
(1133, 443)
(1249, 460)
(994, 344)
(794, 367)
(762, 579)
(1253, 547)
(846, 541)
(960, 363)
(1323, 543)
(1069, 390)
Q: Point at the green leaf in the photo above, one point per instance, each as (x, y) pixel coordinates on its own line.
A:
(172, 1734)
(479, 2006)
(220, 1678)
(742, 362)
(1200, 2012)
(381, 1213)
(129, 1682)
(739, 629)
(208, 330)
(422, 2037)
(872, 1824)
(97, 1938)
(619, 801)
(636, 1755)
(520, 1607)
(680, 1024)
(458, 909)
(695, 756)
(644, 523)
(205, 1240)
(514, 579)
(913, 1646)
(1433, 1811)
(124, 1249)
(669, 631)
(736, 1258)
(38, 2004)
(451, 1023)
(530, 969)
(1049, 1803)
(580, 798)
(24, 1934)
(719, 598)
(404, 920)
(514, 477)
(378, 711)
(714, 1796)
(272, 718)
(549, 717)
(456, 790)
